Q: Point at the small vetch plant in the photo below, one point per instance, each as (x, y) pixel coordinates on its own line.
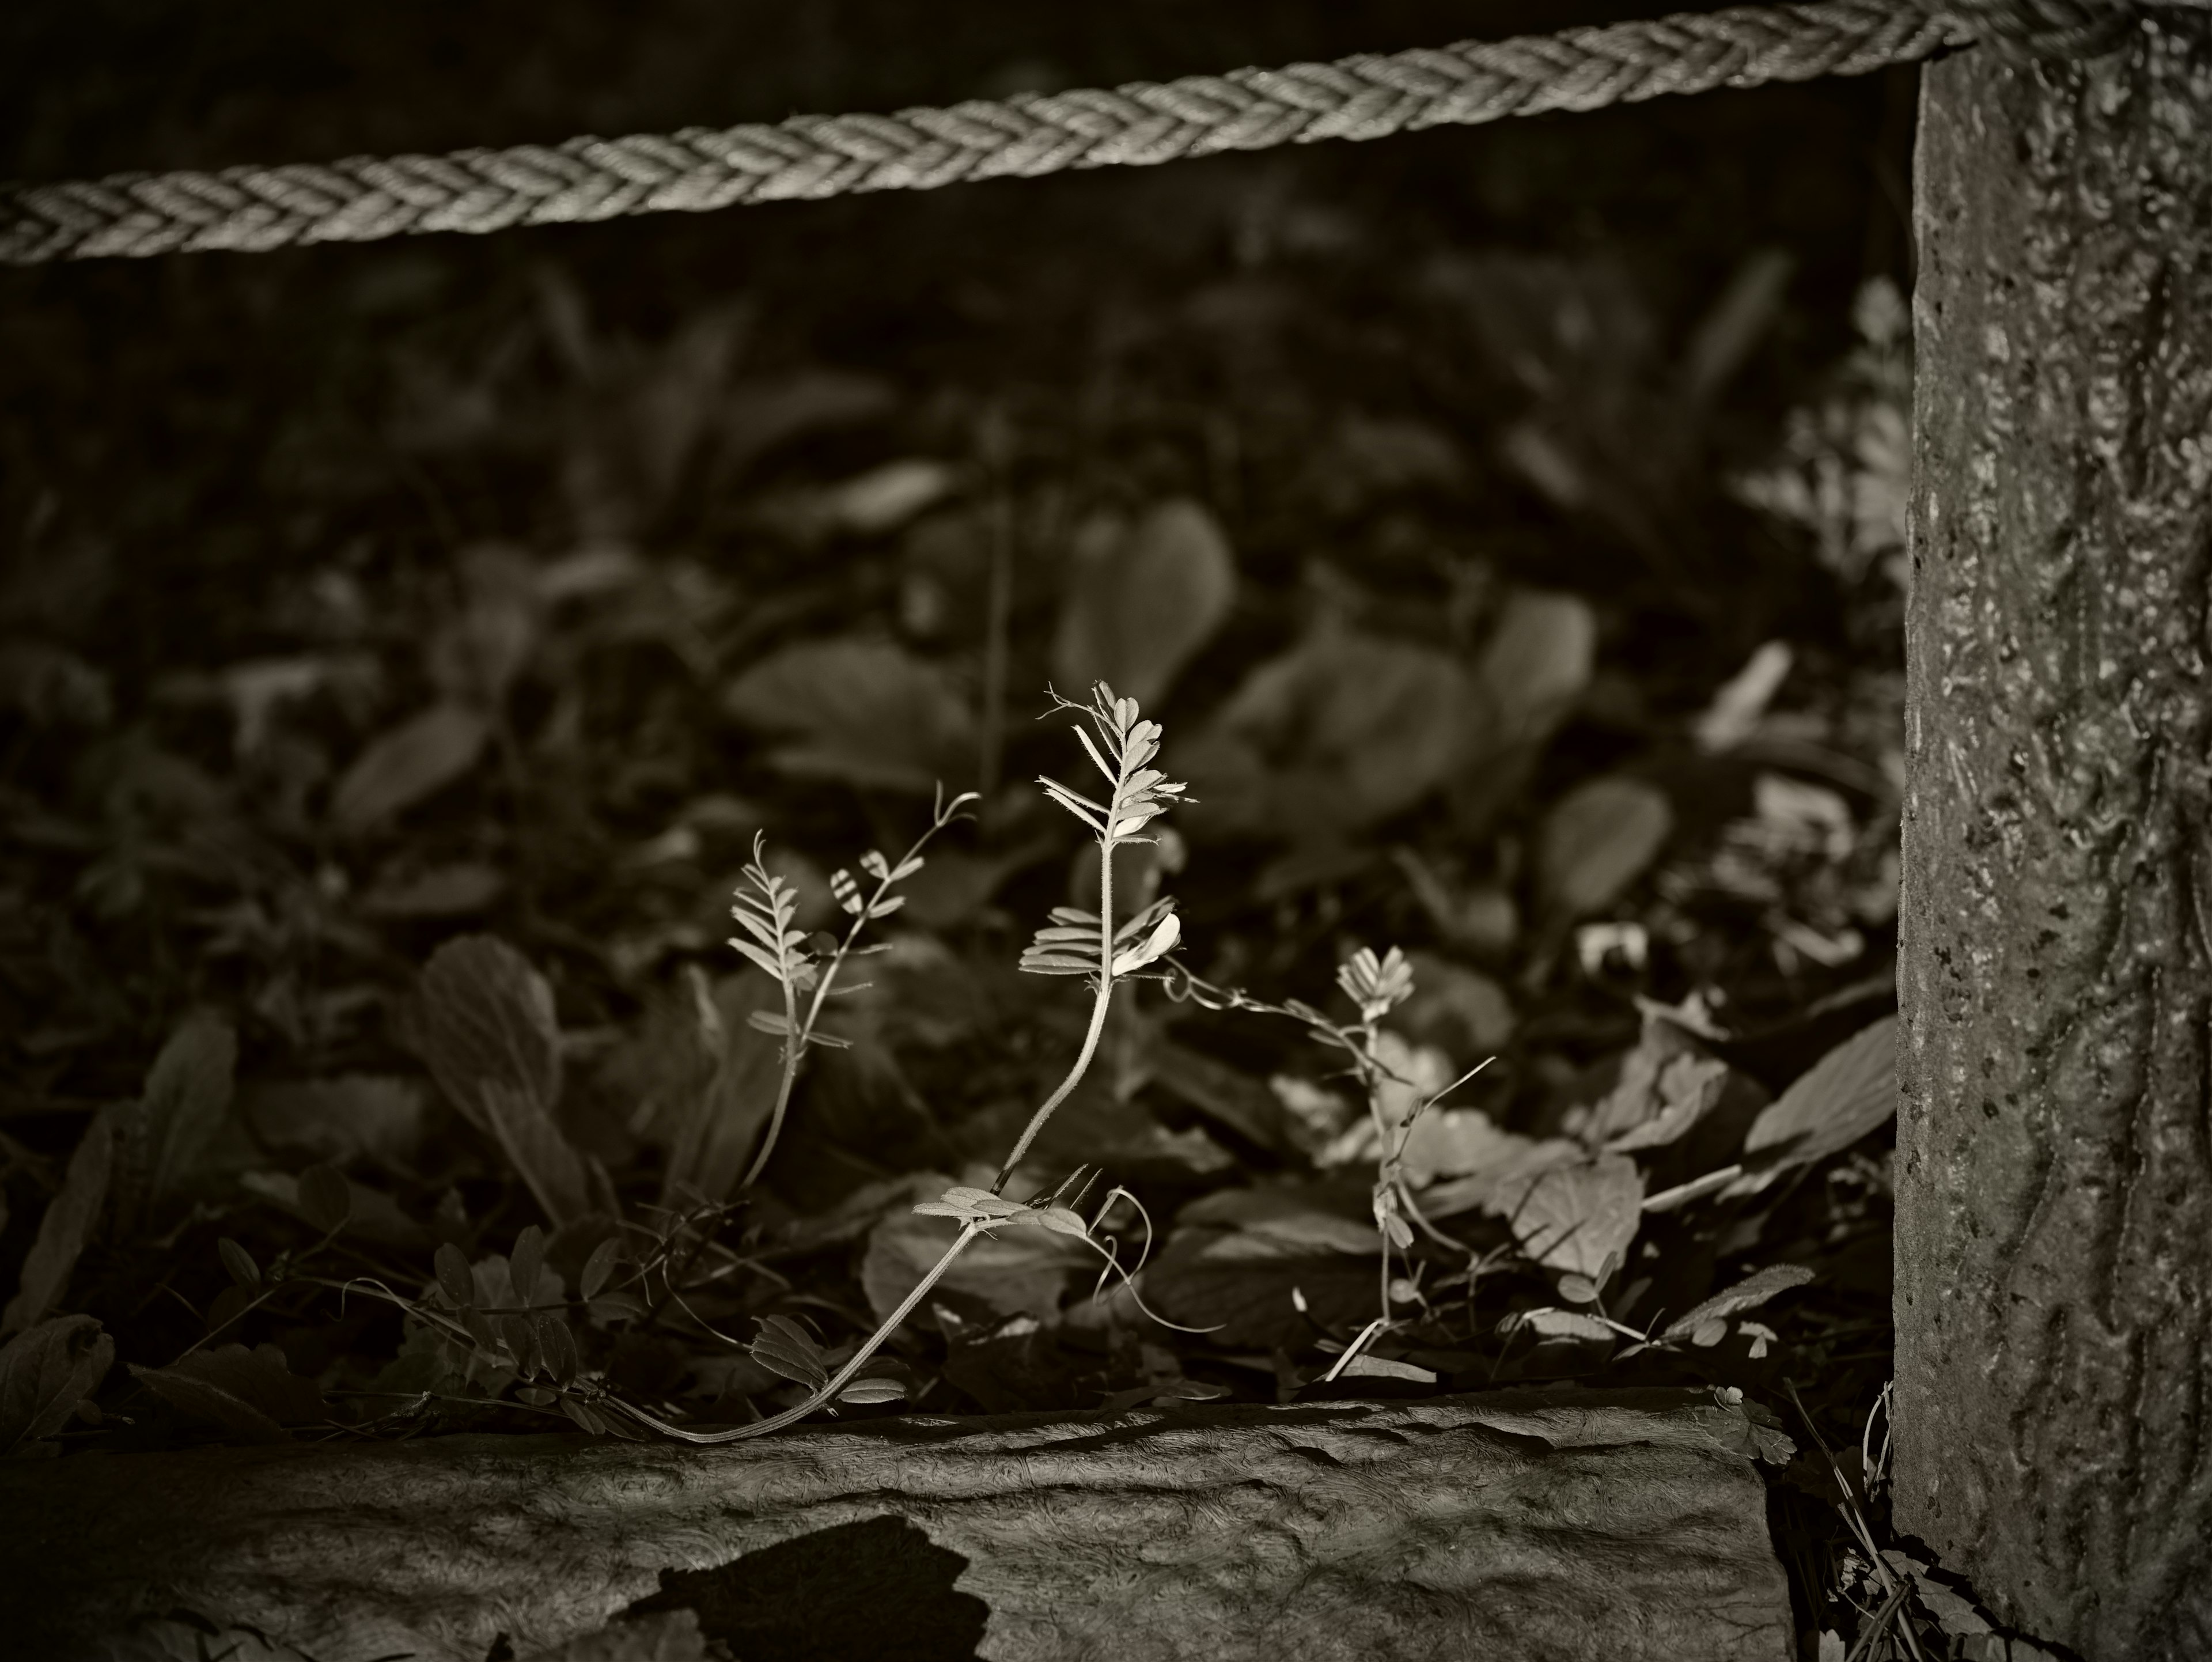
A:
(1076, 942)
(767, 909)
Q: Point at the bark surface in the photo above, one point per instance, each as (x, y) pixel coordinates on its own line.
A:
(1545, 1526)
(2054, 1234)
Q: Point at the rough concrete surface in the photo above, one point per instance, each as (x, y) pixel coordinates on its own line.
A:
(1542, 1526)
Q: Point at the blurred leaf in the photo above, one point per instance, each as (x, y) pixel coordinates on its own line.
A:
(484, 1022)
(448, 891)
(340, 1117)
(166, 1134)
(862, 712)
(1727, 334)
(67, 1225)
(253, 1393)
(1849, 1092)
(371, 1214)
(1139, 606)
(452, 1266)
(1596, 840)
(881, 499)
(1536, 663)
(1748, 1293)
(1733, 714)
(1462, 1010)
(1460, 1142)
(1229, 1098)
(45, 1372)
(240, 1263)
(475, 654)
(1340, 732)
(599, 1266)
(406, 764)
(524, 1263)
(325, 1198)
(1579, 1218)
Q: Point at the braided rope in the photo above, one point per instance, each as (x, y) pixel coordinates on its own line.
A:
(477, 190)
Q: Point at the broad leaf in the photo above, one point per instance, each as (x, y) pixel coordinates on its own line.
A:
(45, 1373)
(1140, 605)
(484, 1024)
(1596, 840)
(866, 713)
(1846, 1094)
(1747, 1295)
(407, 763)
(1341, 732)
(253, 1393)
(1580, 1217)
(70, 1219)
(785, 1348)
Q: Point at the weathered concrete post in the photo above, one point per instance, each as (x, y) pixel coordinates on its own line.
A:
(2054, 1237)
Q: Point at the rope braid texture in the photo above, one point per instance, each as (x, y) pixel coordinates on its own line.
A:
(477, 190)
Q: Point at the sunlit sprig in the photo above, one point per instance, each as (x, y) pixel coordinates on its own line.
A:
(768, 913)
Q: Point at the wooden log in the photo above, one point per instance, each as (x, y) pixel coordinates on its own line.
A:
(1537, 1525)
(2054, 1217)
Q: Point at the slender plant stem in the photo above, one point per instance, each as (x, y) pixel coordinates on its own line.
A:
(796, 1035)
(1098, 1014)
(829, 1392)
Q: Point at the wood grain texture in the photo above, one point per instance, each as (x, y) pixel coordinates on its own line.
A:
(2054, 1246)
(1543, 1526)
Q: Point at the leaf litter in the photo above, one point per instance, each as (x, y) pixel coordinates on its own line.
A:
(379, 1067)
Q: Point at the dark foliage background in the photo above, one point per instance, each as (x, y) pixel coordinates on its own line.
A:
(567, 490)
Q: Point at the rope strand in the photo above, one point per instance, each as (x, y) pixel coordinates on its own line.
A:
(699, 169)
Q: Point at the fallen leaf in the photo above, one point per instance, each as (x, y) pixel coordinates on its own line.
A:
(1848, 1093)
(863, 712)
(1596, 840)
(1556, 1323)
(1284, 1216)
(1498, 1166)
(1140, 605)
(1748, 1293)
(67, 1225)
(1579, 1218)
(407, 763)
(1340, 732)
(1383, 1367)
(254, 1393)
(45, 1372)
